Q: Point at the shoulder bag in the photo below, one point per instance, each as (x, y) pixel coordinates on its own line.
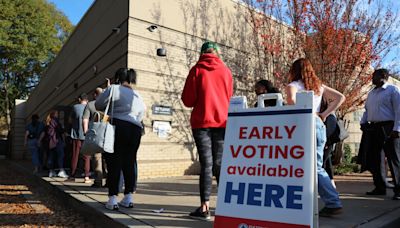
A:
(101, 133)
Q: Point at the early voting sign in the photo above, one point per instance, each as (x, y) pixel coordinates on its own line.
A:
(268, 168)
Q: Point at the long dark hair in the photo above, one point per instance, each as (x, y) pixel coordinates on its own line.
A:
(268, 86)
(125, 75)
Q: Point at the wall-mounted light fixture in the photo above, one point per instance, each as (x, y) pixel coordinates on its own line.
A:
(152, 28)
(161, 52)
(116, 30)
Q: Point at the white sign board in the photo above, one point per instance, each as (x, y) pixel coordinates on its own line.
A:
(268, 167)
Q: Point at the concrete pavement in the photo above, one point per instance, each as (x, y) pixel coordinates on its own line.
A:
(166, 202)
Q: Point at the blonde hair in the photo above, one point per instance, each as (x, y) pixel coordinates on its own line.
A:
(50, 116)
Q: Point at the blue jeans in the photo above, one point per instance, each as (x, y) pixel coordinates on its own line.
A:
(35, 151)
(56, 155)
(326, 190)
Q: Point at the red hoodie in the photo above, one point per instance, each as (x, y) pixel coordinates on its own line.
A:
(208, 89)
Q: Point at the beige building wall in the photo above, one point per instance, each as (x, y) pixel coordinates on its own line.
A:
(92, 53)
(161, 79)
(18, 129)
(97, 47)
(182, 27)
(114, 33)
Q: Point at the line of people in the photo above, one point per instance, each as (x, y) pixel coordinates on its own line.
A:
(208, 89)
(47, 142)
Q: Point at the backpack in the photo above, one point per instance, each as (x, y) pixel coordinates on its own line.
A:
(335, 127)
(335, 133)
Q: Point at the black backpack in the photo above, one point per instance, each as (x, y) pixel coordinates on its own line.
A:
(335, 128)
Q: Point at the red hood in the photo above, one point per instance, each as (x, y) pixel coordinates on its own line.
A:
(210, 62)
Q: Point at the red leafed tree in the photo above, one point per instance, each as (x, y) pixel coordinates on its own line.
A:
(344, 39)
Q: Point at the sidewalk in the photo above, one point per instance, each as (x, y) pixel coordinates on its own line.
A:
(177, 196)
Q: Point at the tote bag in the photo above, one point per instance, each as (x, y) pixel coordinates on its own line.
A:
(101, 133)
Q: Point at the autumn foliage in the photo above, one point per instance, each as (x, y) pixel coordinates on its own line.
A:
(344, 39)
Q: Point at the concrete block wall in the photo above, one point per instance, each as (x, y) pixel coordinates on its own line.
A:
(19, 151)
(161, 79)
(94, 51)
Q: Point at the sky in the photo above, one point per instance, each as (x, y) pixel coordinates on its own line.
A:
(73, 9)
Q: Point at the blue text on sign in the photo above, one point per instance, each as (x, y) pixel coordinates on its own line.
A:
(264, 195)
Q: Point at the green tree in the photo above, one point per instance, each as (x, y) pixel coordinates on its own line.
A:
(32, 32)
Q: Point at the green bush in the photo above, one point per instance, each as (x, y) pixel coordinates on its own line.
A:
(347, 165)
(347, 154)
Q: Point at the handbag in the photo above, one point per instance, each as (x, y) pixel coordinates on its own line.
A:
(101, 133)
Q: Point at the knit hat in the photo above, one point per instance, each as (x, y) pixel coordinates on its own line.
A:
(209, 44)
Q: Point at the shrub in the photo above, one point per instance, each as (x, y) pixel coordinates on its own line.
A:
(347, 165)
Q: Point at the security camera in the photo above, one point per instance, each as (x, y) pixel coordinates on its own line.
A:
(116, 30)
(152, 28)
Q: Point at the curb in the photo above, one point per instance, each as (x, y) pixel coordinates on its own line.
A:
(95, 216)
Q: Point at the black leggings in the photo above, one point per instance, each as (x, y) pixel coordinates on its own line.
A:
(126, 145)
(210, 145)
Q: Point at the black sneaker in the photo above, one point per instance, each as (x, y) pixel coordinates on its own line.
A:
(377, 192)
(96, 185)
(396, 196)
(329, 212)
(200, 214)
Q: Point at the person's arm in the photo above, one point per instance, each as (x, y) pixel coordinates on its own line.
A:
(26, 137)
(291, 94)
(189, 93)
(102, 100)
(336, 99)
(85, 119)
(396, 108)
(364, 119)
(85, 125)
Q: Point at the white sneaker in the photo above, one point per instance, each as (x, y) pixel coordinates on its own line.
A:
(52, 173)
(87, 180)
(127, 201)
(112, 203)
(62, 174)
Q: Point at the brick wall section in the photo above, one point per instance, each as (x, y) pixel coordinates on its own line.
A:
(19, 151)
(161, 79)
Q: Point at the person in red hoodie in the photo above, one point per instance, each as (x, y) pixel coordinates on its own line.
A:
(208, 89)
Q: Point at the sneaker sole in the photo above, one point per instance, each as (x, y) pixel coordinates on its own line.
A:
(114, 208)
(200, 218)
(126, 206)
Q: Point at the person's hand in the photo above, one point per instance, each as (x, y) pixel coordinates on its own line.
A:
(395, 135)
(322, 116)
(108, 82)
(363, 126)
